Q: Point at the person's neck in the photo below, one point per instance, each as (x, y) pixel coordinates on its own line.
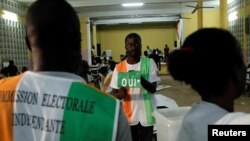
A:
(226, 101)
(42, 63)
(223, 102)
(133, 60)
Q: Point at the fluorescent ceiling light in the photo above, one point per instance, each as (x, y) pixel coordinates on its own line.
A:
(10, 16)
(229, 1)
(135, 20)
(132, 4)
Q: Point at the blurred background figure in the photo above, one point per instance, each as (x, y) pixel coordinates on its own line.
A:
(156, 58)
(111, 66)
(83, 70)
(24, 69)
(166, 52)
(12, 69)
(149, 51)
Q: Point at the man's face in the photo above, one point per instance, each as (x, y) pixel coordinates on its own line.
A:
(133, 47)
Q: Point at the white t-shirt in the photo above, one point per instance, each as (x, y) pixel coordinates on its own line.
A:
(138, 109)
(235, 118)
(195, 123)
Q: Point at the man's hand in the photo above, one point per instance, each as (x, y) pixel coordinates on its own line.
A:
(120, 93)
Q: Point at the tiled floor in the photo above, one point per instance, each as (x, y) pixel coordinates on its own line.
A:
(185, 96)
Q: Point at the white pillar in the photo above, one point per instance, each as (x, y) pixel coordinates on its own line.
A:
(180, 33)
(89, 41)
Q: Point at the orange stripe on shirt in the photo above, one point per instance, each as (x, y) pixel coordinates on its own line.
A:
(7, 86)
(127, 106)
(106, 83)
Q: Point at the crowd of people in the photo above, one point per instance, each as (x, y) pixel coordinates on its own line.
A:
(157, 55)
(11, 70)
(55, 102)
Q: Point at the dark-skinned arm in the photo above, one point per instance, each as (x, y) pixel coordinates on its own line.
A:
(150, 87)
(119, 93)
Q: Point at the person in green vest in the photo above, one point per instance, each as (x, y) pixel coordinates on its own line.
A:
(134, 82)
(51, 103)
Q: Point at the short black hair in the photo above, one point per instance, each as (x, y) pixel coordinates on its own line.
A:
(207, 60)
(133, 36)
(56, 25)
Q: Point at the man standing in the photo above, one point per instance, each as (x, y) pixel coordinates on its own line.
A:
(149, 51)
(166, 52)
(134, 81)
(51, 103)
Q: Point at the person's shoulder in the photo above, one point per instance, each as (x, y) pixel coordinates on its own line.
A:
(151, 55)
(2, 76)
(235, 118)
(10, 81)
(121, 64)
(145, 58)
(245, 119)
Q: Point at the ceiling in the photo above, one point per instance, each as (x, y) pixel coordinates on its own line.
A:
(112, 12)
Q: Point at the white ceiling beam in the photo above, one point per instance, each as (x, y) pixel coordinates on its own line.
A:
(83, 3)
(129, 12)
(135, 20)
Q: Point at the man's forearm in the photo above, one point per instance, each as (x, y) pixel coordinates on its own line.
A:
(151, 87)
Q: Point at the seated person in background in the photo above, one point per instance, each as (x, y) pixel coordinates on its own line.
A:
(99, 62)
(103, 71)
(24, 69)
(106, 88)
(4, 72)
(83, 70)
(51, 103)
(211, 61)
(160, 54)
(2, 76)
